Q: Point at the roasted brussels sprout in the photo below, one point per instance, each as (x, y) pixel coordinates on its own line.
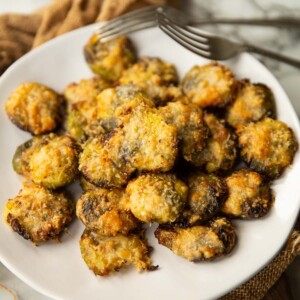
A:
(52, 161)
(38, 214)
(101, 210)
(209, 85)
(109, 59)
(249, 196)
(220, 151)
(207, 193)
(199, 242)
(85, 89)
(191, 129)
(35, 108)
(110, 101)
(150, 144)
(92, 118)
(104, 255)
(252, 103)
(18, 161)
(86, 185)
(157, 78)
(83, 122)
(268, 146)
(156, 197)
(102, 163)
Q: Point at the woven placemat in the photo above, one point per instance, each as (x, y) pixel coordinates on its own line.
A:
(21, 33)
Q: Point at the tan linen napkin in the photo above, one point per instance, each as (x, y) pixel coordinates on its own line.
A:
(258, 286)
(20, 33)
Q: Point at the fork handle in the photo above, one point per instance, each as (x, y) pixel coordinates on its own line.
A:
(271, 54)
(277, 22)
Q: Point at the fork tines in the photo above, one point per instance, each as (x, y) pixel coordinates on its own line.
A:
(195, 40)
(127, 23)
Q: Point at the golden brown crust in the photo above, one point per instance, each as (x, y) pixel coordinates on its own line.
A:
(268, 146)
(220, 151)
(85, 89)
(51, 161)
(101, 210)
(35, 108)
(249, 196)
(91, 118)
(82, 121)
(252, 103)
(105, 255)
(207, 193)
(209, 85)
(191, 129)
(109, 59)
(150, 144)
(143, 141)
(199, 243)
(113, 100)
(38, 214)
(102, 163)
(156, 77)
(156, 197)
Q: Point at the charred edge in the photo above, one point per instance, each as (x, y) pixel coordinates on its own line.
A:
(165, 235)
(17, 227)
(100, 184)
(267, 173)
(252, 212)
(88, 54)
(153, 268)
(89, 209)
(182, 222)
(21, 125)
(227, 235)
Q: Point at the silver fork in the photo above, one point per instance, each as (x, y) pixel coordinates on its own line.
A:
(210, 45)
(146, 18)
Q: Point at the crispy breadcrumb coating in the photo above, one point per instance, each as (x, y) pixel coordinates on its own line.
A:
(191, 129)
(109, 59)
(111, 100)
(52, 161)
(249, 196)
(82, 121)
(209, 85)
(102, 164)
(207, 193)
(86, 89)
(38, 214)
(101, 210)
(156, 197)
(105, 255)
(220, 151)
(267, 146)
(253, 102)
(150, 144)
(157, 78)
(199, 243)
(91, 118)
(35, 108)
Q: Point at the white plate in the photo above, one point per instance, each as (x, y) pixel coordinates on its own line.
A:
(57, 270)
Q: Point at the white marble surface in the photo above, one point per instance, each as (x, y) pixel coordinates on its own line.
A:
(283, 40)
